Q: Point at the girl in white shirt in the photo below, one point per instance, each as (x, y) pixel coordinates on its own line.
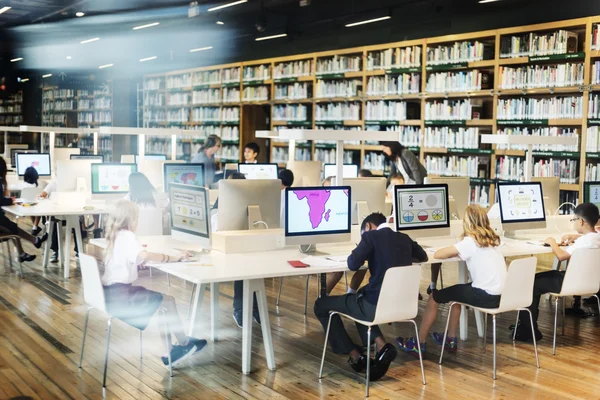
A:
(479, 249)
(135, 305)
(31, 178)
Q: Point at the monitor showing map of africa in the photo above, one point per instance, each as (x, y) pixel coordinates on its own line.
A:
(317, 210)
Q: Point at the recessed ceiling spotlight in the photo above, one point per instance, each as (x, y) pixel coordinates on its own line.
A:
(46, 76)
(220, 23)
(69, 57)
(16, 59)
(137, 28)
(4, 9)
(79, 14)
(90, 40)
(105, 66)
(487, 1)
(148, 58)
(201, 49)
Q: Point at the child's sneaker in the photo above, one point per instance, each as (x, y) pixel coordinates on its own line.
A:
(179, 353)
(409, 345)
(451, 342)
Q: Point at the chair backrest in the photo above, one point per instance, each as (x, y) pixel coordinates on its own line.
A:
(31, 193)
(399, 296)
(583, 273)
(150, 222)
(93, 291)
(518, 285)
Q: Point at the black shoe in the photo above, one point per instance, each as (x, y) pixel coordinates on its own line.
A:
(382, 361)
(420, 297)
(26, 257)
(430, 290)
(97, 233)
(577, 312)
(39, 240)
(359, 365)
(590, 302)
(524, 333)
(237, 317)
(256, 317)
(36, 231)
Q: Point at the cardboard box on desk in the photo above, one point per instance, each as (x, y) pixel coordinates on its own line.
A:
(248, 241)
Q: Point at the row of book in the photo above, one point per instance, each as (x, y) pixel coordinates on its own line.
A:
(292, 69)
(538, 44)
(11, 108)
(207, 78)
(592, 172)
(179, 99)
(257, 72)
(457, 52)
(295, 91)
(207, 96)
(179, 81)
(256, 93)
(180, 115)
(463, 81)
(229, 153)
(338, 88)
(595, 37)
(154, 84)
(512, 168)
(154, 99)
(410, 136)
(103, 102)
(327, 156)
(449, 110)
(231, 95)
(338, 64)
(394, 85)
(593, 139)
(281, 155)
(11, 119)
(451, 138)
(154, 116)
(546, 132)
(541, 76)
(338, 112)
(594, 105)
(215, 114)
(290, 112)
(385, 110)
(101, 117)
(374, 161)
(207, 130)
(596, 73)
(57, 93)
(480, 194)
(452, 165)
(230, 75)
(60, 105)
(569, 107)
(231, 133)
(400, 57)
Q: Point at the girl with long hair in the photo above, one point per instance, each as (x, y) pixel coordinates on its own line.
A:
(479, 248)
(206, 156)
(142, 193)
(402, 161)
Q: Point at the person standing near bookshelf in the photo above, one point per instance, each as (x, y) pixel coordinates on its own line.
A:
(402, 161)
(206, 156)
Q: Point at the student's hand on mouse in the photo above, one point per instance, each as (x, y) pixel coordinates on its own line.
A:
(184, 256)
(43, 195)
(550, 241)
(567, 239)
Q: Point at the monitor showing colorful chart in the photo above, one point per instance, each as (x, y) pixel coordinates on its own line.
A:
(421, 206)
(186, 174)
(111, 178)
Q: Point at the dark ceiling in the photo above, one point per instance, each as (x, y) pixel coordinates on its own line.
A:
(46, 32)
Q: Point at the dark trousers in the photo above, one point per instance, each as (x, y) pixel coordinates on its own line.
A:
(354, 305)
(545, 282)
(238, 297)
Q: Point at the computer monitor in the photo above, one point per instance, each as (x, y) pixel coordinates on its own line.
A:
(245, 204)
(111, 178)
(41, 163)
(74, 175)
(551, 191)
(98, 157)
(350, 170)
(368, 196)
(521, 206)
(13, 152)
(258, 171)
(422, 210)
(187, 174)
(9, 147)
(317, 214)
(459, 191)
(306, 173)
(190, 214)
(151, 157)
(591, 193)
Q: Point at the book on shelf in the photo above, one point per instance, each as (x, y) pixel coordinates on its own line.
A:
(388, 85)
(568, 107)
(384, 110)
(458, 81)
(451, 137)
(449, 110)
(452, 165)
(206, 78)
(294, 91)
(179, 99)
(231, 95)
(513, 168)
(292, 69)
(338, 112)
(375, 161)
(337, 63)
(154, 83)
(206, 96)
(181, 115)
(257, 72)
(328, 156)
(256, 93)
(204, 114)
(593, 139)
(458, 52)
(179, 81)
(542, 132)
(541, 76)
(538, 44)
(230, 75)
(338, 88)
(400, 57)
(480, 194)
(290, 112)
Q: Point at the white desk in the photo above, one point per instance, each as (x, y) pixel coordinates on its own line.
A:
(69, 212)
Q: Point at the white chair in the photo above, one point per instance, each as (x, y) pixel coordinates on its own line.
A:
(31, 193)
(93, 294)
(150, 223)
(582, 277)
(398, 302)
(517, 295)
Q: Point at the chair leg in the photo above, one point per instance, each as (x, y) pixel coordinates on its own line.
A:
(85, 325)
(555, 323)
(106, 353)
(346, 279)
(18, 260)
(419, 347)
(9, 253)
(368, 360)
(141, 353)
(517, 325)
(279, 291)
(563, 317)
(537, 360)
(306, 294)
(325, 345)
(494, 340)
(446, 331)
(191, 301)
(485, 322)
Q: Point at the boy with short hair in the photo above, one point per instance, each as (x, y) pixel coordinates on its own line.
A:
(383, 249)
(251, 152)
(584, 221)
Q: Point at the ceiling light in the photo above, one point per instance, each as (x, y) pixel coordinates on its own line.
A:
(46, 76)
(235, 3)
(201, 49)
(220, 23)
(24, 80)
(90, 40)
(79, 14)
(4, 9)
(145, 26)
(69, 57)
(258, 39)
(148, 59)
(487, 1)
(16, 59)
(368, 21)
(105, 66)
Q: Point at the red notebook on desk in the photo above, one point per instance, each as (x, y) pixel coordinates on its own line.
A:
(297, 264)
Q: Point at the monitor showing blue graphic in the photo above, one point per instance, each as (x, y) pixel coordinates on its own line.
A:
(187, 174)
(421, 207)
(152, 157)
(350, 170)
(41, 163)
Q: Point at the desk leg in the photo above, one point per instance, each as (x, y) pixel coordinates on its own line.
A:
(196, 306)
(214, 311)
(323, 280)
(78, 238)
(250, 287)
(67, 247)
(463, 276)
(50, 230)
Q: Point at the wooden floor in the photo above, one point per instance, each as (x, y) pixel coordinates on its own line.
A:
(41, 322)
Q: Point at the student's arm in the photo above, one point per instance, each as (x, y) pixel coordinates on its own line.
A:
(560, 254)
(446, 252)
(419, 255)
(360, 254)
(6, 201)
(145, 257)
(569, 238)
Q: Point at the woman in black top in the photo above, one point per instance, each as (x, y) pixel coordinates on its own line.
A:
(9, 227)
(404, 162)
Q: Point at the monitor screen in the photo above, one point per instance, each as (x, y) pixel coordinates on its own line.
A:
(421, 207)
(317, 210)
(41, 162)
(189, 209)
(111, 178)
(152, 157)
(258, 171)
(350, 170)
(591, 193)
(13, 153)
(521, 202)
(187, 174)
(87, 157)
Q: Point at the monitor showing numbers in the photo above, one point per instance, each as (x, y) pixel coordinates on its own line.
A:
(111, 178)
(189, 209)
(421, 206)
(349, 171)
(521, 202)
(258, 171)
(591, 193)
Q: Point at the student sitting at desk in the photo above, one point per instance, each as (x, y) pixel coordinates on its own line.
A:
(479, 249)
(383, 249)
(251, 151)
(8, 226)
(135, 305)
(584, 221)
(31, 178)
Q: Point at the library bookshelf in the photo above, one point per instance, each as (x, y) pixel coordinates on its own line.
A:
(439, 93)
(11, 114)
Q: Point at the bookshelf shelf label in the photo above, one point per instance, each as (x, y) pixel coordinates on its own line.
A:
(445, 67)
(457, 122)
(524, 122)
(558, 57)
(391, 71)
(254, 83)
(230, 84)
(333, 75)
(382, 122)
(321, 123)
(593, 121)
(569, 154)
(593, 155)
(482, 181)
(470, 151)
(286, 80)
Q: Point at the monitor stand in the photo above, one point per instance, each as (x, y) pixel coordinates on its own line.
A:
(312, 250)
(255, 220)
